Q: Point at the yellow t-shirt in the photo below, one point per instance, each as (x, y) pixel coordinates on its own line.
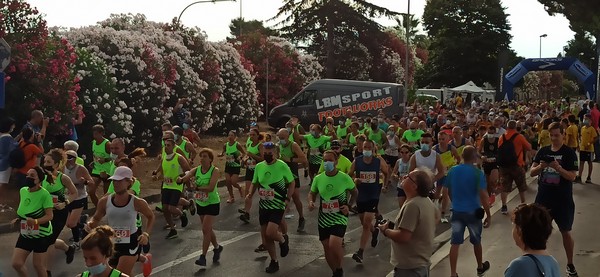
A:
(572, 136)
(544, 139)
(588, 136)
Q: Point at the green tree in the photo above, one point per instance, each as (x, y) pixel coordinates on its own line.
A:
(583, 15)
(583, 48)
(321, 21)
(466, 38)
(249, 27)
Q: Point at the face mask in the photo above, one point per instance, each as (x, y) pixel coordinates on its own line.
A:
(283, 142)
(170, 156)
(49, 168)
(391, 133)
(586, 122)
(289, 130)
(97, 269)
(425, 147)
(329, 166)
(341, 122)
(185, 126)
(176, 137)
(367, 153)
(268, 158)
(314, 134)
(29, 182)
(113, 156)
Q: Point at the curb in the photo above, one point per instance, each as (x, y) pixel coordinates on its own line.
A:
(5, 228)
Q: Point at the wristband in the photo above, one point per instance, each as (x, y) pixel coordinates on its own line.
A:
(146, 234)
(36, 221)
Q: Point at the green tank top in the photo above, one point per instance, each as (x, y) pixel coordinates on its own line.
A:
(113, 273)
(341, 132)
(56, 189)
(252, 149)
(171, 170)
(99, 151)
(233, 154)
(352, 139)
(286, 151)
(377, 137)
(203, 198)
(182, 147)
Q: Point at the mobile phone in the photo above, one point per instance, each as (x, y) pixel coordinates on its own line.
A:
(549, 159)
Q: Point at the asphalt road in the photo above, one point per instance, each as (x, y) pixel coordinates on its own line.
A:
(176, 257)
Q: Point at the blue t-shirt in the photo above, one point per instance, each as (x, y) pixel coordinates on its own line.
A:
(463, 184)
(525, 267)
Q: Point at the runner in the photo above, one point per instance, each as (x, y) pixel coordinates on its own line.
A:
(121, 210)
(234, 152)
(34, 220)
(428, 159)
(173, 165)
(333, 209)
(275, 184)
(401, 170)
(459, 141)
(100, 166)
(413, 135)
(292, 155)
(253, 150)
(449, 156)
(391, 146)
(317, 144)
(63, 192)
(366, 171)
(378, 136)
(342, 163)
(73, 145)
(589, 136)
(189, 152)
(80, 177)
(206, 195)
(190, 134)
(98, 248)
(350, 142)
(489, 151)
(358, 149)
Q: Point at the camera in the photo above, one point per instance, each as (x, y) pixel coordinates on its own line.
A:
(384, 221)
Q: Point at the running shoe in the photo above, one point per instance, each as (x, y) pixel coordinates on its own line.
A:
(217, 254)
(358, 257)
(201, 261)
(273, 267)
(285, 246)
(260, 248)
(484, 268)
(184, 219)
(301, 224)
(172, 234)
(577, 179)
(588, 181)
(147, 266)
(192, 207)
(504, 210)
(571, 271)
(70, 254)
(245, 218)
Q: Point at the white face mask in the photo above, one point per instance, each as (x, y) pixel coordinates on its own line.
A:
(170, 156)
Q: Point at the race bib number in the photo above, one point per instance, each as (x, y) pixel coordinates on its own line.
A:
(201, 196)
(315, 151)
(330, 207)
(54, 199)
(368, 177)
(29, 230)
(122, 235)
(266, 194)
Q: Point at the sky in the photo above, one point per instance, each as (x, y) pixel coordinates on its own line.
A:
(527, 18)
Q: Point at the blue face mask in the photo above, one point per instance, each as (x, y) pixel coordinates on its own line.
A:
(425, 147)
(367, 153)
(283, 142)
(97, 269)
(329, 166)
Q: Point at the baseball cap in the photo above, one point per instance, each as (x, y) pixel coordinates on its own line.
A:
(122, 172)
(335, 143)
(71, 153)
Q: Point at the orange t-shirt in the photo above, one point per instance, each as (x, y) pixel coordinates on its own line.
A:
(520, 142)
(32, 152)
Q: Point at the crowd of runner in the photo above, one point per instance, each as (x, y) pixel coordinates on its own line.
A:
(431, 157)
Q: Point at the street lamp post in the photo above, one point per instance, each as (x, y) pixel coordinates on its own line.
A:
(542, 36)
(407, 45)
(204, 1)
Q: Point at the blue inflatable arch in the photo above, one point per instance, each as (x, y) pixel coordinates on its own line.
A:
(585, 76)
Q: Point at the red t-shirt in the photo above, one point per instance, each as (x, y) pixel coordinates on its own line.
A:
(32, 153)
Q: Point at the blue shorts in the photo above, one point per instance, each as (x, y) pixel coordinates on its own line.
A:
(440, 182)
(462, 220)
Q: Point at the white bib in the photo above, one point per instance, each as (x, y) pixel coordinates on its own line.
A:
(330, 207)
(266, 194)
(122, 235)
(29, 230)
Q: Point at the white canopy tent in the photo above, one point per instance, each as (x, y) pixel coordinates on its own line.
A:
(469, 87)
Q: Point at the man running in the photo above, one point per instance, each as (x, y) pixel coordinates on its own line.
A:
(101, 164)
(333, 187)
(366, 170)
(450, 157)
(291, 153)
(189, 152)
(275, 184)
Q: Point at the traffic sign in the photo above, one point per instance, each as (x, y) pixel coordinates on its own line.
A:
(4, 54)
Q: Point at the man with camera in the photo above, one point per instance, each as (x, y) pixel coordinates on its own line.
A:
(556, 165)
(466, 186)
(413, 231)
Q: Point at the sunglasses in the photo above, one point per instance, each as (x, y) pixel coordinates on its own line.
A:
(407, 176)
(404, 152)
(70, 157)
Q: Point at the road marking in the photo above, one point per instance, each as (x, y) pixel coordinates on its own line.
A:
(196, 254)
(443, 252)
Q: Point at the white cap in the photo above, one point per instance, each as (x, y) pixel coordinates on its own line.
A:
(122, 172)
(71, 153)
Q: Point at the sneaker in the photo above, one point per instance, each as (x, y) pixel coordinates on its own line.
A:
(577, 179)
(358, 257)
(70, 254)
(273, 267)
(184, 219)
(217, 254)
(588, 181)
(260, 248)
(167, 227)
(147, 266)
(374, 236)
(192, 207)
(201, 261)
(76, 245)
(301, 224)
(285, 246)
(172, 234)
(571, 272)
(242, 211)
(444, 219)
(245, 217)
(504, 210)
(484, 268)
(158, 207)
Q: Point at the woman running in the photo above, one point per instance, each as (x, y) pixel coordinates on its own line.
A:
(233, 151)
(253, 157)
(98, 248)
(400, 170)
(80, 177)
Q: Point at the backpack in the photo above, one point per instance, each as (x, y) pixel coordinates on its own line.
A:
(507, 155)
(16, 156)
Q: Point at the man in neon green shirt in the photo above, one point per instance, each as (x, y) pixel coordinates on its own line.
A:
(333, 209)
(413, 135)
(343, 164)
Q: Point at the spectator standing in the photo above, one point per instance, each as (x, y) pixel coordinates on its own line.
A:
(512, 147)
(466, 186)
(414, 228)
(595, 117)
(33, 150)
(7, 144)
(556, 166)
(532, 226)
(37, 123)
